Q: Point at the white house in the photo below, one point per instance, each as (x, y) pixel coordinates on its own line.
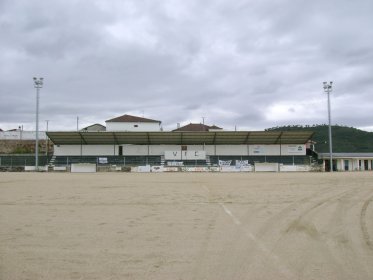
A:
(132, 123)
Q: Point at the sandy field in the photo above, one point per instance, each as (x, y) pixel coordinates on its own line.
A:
(186, 226)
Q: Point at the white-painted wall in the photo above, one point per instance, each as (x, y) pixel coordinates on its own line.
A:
(136, 150)
(353, 164)
(133, 126)
(185, 155)
(85, 150)
(160, 149)
(277, 150)
(156, 150)
(231, 150)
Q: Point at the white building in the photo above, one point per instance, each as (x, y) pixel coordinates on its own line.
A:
(348, 161)
(132, 123)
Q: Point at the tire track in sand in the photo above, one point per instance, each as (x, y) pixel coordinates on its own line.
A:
(235, 252)
(299, 223)
(281, 216)
(363, 223)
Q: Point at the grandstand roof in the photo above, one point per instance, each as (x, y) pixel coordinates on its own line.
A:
(180, 138)
(129, 118)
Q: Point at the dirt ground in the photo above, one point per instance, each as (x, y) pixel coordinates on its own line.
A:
(186, 226)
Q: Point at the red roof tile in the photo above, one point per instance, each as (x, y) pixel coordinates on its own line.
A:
(196, 127)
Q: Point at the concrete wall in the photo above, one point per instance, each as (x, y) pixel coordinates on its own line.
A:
(21, 135)
(132, 126)
(266, 167)
(83, 168)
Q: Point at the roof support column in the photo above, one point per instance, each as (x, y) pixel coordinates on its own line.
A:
(81, 143)
(115, 142)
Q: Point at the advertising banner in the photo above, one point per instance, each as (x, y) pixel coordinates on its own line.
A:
(157, 168)
(145, 168)
(175, 163)
(225, 162)
(102, 160)
(296, 149)
(257, 150)
(170, 169)
(240, 163)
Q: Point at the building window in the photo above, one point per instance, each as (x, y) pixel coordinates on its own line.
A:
(136, 125)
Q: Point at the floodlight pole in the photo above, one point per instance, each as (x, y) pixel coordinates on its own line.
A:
(328, 88)
(38, 84)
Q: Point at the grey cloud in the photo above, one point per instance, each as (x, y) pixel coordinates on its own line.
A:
(177, 61)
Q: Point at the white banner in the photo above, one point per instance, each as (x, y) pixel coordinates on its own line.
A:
(257, 150)
(175, 163)
(296, 149)
(157, 168)
(170, 169)
(240, 163)
(145, 168)
(194, 169)
(83, 167)
(102, 160)
(225, 162)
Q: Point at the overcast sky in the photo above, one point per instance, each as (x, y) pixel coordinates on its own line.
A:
(245, 64)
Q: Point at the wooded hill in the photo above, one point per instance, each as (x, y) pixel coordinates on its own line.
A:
(345, 139)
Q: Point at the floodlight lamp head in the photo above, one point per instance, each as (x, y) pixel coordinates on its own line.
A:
(35, 78)
(41, 78)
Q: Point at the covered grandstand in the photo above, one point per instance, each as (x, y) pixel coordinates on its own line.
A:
(207, 148)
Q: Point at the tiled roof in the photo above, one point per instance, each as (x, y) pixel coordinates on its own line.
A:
(196, 127)
(215, 127)
(95, 126)
(129, 118)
